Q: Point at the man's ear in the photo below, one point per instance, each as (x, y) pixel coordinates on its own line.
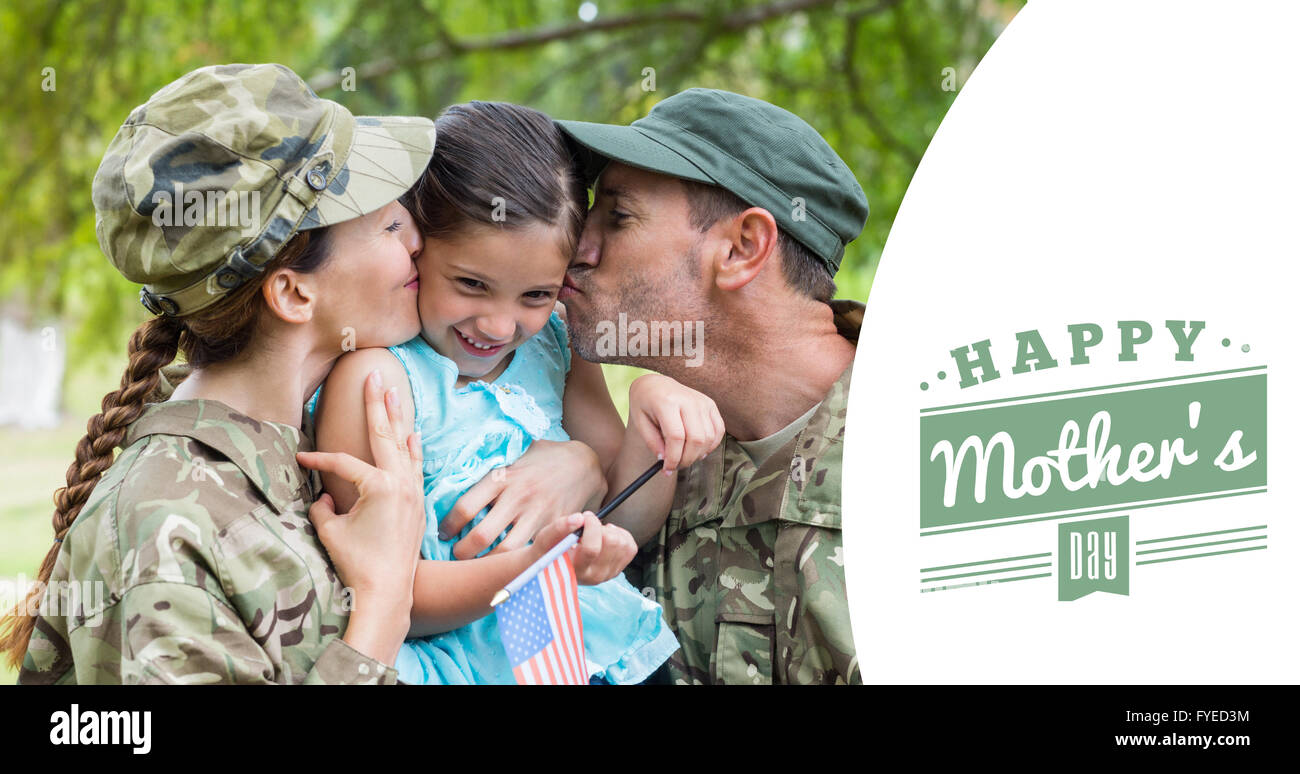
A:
(289, 296)
(752, 237)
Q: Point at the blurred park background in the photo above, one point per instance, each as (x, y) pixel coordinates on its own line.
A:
(874, 76)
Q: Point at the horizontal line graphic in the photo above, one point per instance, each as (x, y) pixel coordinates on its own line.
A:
(985, 583)
(1201, 534)
(1200, 545)
(987, 572)
(985, 561)
(1198, 556)
(1100, 388)
(1093, 511)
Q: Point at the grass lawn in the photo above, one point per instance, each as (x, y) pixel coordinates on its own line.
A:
(32, 465)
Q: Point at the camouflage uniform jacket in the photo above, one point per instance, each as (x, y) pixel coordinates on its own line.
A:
(193, 561)
(749, 566)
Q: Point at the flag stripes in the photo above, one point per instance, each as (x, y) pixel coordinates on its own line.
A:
(541, 628)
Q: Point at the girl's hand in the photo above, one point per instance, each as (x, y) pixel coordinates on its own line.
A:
(375, 545)
(551, 477)
(602, 551)
(677, 423)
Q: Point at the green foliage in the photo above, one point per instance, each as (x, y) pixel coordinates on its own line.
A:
(74, 70)
(867, 73)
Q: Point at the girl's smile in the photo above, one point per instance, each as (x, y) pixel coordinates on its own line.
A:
(485, 291)
(476, 347)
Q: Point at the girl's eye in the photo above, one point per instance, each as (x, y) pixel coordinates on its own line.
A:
(394, 227)
(540, 294)
(470, 283)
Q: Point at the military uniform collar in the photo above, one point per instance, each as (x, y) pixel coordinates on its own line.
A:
(848, 317)
(257, 448)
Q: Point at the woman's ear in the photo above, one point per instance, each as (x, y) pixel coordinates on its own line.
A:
(752, 237)
(289, 295)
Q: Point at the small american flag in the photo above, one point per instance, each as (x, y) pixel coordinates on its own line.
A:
(541, 628)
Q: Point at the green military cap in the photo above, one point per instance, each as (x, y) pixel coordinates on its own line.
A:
(206, 181)
(767, 156)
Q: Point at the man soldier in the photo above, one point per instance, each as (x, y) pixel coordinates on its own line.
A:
(726, 210)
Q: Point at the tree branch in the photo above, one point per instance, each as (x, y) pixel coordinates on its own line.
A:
(855, 89)
(516, 39)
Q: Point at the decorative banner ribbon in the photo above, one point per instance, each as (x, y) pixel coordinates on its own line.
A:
(1092, 555)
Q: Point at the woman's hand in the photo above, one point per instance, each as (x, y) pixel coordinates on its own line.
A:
(677, 423)
(601, 553)
(551, 477)
(375, 545)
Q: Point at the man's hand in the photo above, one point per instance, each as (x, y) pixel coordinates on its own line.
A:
(552, 477)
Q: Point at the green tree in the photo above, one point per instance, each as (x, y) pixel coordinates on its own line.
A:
(869, 74)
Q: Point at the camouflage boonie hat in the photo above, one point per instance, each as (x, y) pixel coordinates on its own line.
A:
(206, 181)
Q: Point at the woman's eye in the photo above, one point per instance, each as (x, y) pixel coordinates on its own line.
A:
(618, 216)
(394, 227)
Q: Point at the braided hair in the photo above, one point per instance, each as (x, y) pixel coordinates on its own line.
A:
(211, 335)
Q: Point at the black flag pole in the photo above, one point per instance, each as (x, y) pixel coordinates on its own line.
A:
(568, 542)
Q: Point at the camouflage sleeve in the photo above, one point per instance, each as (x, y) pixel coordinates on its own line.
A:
(341, 664)
(814, 642)
(178, 633)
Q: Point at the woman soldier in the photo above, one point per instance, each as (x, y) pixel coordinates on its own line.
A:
(264, 223)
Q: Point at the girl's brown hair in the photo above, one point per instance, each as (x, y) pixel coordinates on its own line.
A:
(211, 335)
(493, 155)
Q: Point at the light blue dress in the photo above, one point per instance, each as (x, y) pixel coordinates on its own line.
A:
(467, 432)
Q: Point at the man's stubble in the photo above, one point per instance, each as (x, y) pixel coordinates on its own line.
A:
(674, 297)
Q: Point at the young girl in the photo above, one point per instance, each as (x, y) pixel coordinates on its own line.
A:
(501, 207)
